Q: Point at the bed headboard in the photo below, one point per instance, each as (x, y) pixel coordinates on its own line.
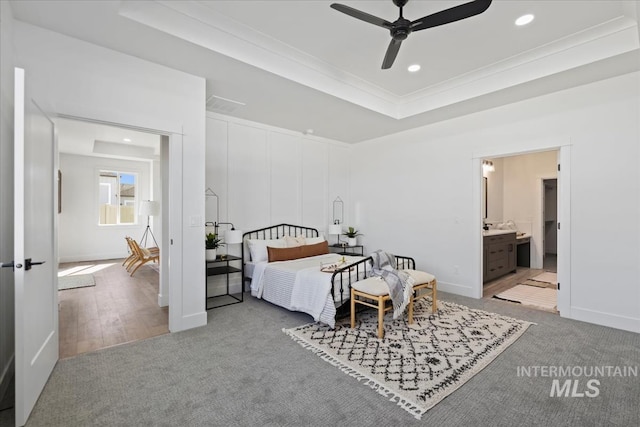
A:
(274, 232)
(277, 231)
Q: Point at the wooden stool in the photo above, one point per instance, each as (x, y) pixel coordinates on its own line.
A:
(375, 289)
(424, 285)
(374, 292)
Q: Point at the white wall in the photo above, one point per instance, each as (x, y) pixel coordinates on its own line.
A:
(7, 324)
(80, 238)
(422, 205)
(80, 79)
(265, 176)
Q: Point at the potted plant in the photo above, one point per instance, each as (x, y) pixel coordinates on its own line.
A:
(212, 243)
(352, 233)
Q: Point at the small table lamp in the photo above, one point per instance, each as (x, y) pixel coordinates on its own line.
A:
(231, 237)
(335, 230)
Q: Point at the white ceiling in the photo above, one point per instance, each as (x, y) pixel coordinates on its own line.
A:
(301, 64)
(99, 140)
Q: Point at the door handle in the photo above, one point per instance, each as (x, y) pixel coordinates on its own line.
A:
(28, 263)
(12, 265)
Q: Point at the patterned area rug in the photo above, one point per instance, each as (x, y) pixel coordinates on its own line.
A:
(73, 281)
(547, 276)
(533, 296)
(414, 365)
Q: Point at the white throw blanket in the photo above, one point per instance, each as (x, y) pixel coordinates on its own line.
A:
(399, 282)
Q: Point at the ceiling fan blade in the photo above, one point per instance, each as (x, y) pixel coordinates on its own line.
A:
(362, 15)
(392, 52)
(453, 14)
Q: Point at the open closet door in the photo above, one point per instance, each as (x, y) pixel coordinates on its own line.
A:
(35, 266)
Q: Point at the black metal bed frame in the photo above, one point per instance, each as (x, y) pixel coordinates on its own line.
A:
(344, 275)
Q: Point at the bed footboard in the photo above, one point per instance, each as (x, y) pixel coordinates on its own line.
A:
(344, 276)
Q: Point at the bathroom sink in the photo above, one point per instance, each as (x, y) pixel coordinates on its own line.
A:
(495, 232)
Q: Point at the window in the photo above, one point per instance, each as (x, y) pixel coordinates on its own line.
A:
(117, 197)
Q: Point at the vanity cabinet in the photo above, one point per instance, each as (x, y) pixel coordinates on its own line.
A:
(499, 255)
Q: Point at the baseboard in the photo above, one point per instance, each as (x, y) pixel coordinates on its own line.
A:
(7, 374)
(191, 321)
(93, 257)
(605, 319)
(163, 300)
(457, 289)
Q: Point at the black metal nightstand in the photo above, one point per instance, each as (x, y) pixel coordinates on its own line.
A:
(221, 266)
(347, 250)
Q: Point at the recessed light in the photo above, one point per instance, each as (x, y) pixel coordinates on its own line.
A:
(524, 20)
(126, 139)
(413, 68)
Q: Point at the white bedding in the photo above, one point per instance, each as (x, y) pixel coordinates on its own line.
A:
(299, 285)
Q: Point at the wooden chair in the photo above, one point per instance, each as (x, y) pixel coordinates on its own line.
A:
(424, 285)
(132, 254)
(142, 256)
(374, 292)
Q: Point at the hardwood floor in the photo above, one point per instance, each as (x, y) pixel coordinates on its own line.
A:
(520, 276)
(117, 310)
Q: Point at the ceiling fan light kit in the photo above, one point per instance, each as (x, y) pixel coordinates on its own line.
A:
(402, 27)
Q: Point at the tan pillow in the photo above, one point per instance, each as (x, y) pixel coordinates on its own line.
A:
(287, 254)
(283, 254)
(317, 249)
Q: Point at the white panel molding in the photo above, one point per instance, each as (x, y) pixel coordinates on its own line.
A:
(285, 170)
(327, 181)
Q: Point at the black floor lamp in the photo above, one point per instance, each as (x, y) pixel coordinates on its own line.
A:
(148, 208)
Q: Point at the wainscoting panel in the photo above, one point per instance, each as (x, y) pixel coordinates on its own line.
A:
(315, 160)
(248, 177)
(286, 169)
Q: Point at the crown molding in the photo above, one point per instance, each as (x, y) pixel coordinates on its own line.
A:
(195, 22)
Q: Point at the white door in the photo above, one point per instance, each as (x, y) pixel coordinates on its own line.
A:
(36, 298)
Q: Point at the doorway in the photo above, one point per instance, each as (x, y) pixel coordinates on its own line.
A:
(108, 173)
(524, 214)
(550, 224)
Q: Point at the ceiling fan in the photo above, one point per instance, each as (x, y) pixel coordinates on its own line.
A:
(401, 28)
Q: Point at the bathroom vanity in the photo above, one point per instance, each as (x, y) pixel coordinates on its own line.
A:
(499, 247)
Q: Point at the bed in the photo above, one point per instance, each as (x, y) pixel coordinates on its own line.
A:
(300, 284)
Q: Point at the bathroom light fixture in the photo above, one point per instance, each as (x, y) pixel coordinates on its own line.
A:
(126, 139)
(524, 20)
(487, 166)
(414, 68)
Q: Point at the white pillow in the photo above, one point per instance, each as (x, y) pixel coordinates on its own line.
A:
(315, 240)
(258, 248)
(292, 242)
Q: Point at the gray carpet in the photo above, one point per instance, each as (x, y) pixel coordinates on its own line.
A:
(241, 370)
